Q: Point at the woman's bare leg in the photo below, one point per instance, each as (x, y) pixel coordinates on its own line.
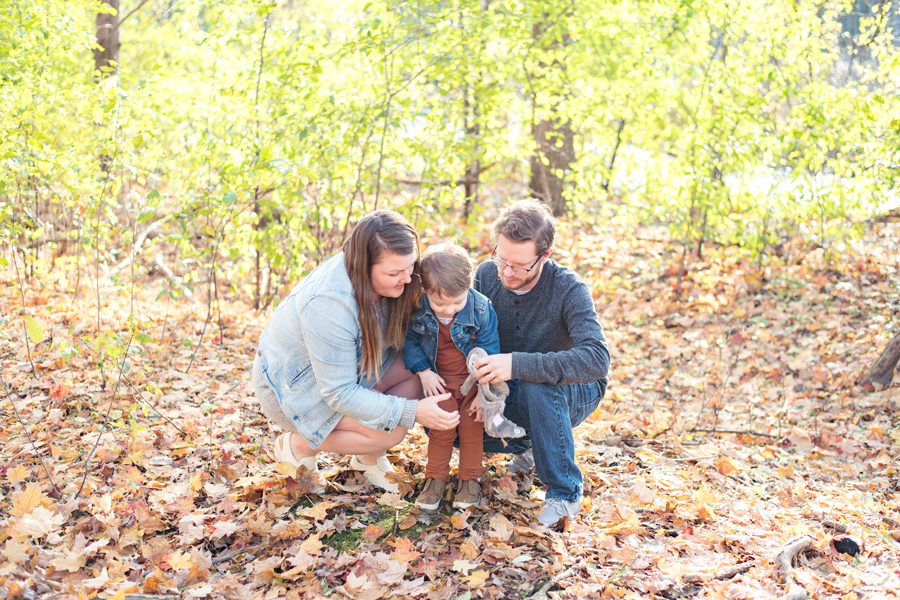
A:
(351, 437)
(399, 381)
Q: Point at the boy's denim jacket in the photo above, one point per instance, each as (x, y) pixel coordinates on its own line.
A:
(310, 355)
(475, 325)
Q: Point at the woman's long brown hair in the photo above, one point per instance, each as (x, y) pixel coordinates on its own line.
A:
(378, 233)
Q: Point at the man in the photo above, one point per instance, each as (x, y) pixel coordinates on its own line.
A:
(551, 345)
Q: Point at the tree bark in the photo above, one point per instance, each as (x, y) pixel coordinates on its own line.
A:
(106, 57)
(473, 168)
(553, 134)
(882, 370)
(551, 161)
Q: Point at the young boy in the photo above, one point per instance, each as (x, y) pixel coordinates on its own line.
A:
(453, 320)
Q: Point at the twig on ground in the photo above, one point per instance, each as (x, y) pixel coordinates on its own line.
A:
(834, 525)
(721, 574)
(788, 553)
(542, 591)
(28, 435)
(229, 555)
(733, 431)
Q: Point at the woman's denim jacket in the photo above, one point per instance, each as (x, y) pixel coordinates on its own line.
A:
(475, 325)
(310, 356)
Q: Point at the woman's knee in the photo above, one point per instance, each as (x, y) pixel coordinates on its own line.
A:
(396, 436)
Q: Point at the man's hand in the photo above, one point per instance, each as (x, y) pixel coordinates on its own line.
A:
(494, 368)
(432, 383)
(475, 409)
(429, 414)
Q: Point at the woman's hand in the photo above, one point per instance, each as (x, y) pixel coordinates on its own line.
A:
(429, 414)
(432, 383)
(475, 409)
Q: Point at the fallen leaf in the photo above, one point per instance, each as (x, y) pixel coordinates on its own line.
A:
(15, 551)
(372, 532)
(180, 560)
(27, 500)
(318, 511)
(17, 474)
(312, 545)
(477, 578)
(404, 551)
(459, 520)
(725, 465)
(463, 566)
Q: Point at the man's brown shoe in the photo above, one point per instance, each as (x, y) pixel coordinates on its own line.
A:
(467, 494)
(432, 493)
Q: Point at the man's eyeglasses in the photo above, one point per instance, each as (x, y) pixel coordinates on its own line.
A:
(516, 268)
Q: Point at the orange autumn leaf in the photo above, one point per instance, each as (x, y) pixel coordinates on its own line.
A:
(725, 465)
(372, 532)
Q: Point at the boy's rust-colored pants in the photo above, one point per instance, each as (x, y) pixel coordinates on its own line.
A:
(471, 442)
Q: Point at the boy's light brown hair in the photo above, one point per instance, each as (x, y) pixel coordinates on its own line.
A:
(446, 270)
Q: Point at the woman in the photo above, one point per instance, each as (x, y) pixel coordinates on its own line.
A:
(328, 369)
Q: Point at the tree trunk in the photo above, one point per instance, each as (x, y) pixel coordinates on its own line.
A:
(106, 57)
(553, 134)
(882, 370)
(473, 168)
(555, 154)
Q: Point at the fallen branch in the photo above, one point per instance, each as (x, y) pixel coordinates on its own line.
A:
(160, 263)
(834, 525)
(138, 244)
(734, 431)
(784, 558)
(541, 592)
(229, 555)
(722, 574)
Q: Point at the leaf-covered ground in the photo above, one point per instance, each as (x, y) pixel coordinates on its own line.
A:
(732, 427)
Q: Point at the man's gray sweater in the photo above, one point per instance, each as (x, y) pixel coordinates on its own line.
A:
(553, 331)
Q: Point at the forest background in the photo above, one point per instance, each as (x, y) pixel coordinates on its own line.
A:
(725, 174)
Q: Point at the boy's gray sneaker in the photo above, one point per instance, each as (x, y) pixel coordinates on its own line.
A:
(557, 511)
(522, 463)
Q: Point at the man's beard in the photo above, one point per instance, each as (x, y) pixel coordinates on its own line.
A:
(521, 285)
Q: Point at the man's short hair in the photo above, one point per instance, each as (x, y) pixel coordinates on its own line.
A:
(527, 220)
(446, 270)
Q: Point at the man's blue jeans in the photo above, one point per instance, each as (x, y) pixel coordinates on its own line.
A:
(549, 413)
